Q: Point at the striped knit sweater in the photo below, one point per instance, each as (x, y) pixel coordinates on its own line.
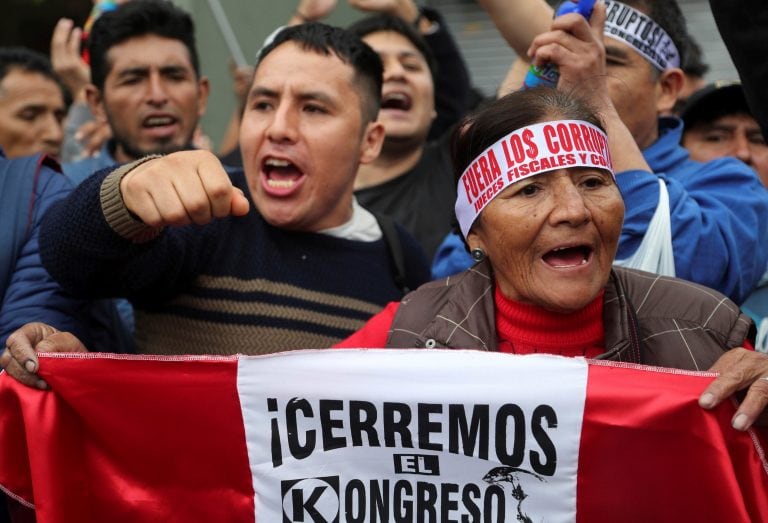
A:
(236, 285)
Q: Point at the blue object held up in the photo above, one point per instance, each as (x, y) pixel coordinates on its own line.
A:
(548, 75)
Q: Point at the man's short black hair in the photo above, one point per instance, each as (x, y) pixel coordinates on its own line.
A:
(27, 60)
(383, 22)
(325, 39)
(668, 15)
(135, 19)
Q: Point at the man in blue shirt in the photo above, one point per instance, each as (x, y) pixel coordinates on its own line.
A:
(718, 210)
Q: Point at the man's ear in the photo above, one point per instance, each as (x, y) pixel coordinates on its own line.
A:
(95, 102)
(203, 90)
(670, 85)
(373, 139)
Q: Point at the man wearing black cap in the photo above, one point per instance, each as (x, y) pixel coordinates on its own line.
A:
(742, 26)
(718, 123)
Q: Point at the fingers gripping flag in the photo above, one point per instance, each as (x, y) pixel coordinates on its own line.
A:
(376, 435)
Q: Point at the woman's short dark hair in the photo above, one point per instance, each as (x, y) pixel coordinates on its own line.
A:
(349, 48)
(134, 19)
(511, 112)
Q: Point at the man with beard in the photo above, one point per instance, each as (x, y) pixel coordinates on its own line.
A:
(146, 83)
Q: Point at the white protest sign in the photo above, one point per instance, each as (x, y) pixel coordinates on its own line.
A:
(458, 435)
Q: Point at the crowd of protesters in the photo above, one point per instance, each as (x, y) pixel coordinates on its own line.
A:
(335, 193)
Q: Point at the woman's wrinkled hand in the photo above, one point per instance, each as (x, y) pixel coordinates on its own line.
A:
(740, 369)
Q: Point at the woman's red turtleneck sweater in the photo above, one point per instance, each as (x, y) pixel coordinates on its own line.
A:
(521, 329)
(527, 329)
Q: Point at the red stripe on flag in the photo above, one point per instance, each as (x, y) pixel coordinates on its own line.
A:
(162, 439)
(117, 470)
(660, 453)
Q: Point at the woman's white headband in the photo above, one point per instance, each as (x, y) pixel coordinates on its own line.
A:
(524, 153)
(629, 25)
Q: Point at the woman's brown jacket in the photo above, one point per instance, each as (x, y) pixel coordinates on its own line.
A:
(649, 319)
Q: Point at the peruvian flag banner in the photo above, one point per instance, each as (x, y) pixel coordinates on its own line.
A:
(373, 435)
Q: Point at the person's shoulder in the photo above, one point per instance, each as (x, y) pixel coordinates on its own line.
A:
(657, 296)
(726, 165)
(719, 179)
(53, 181)
(26, 164)
(408, 240)
(726, 175)
(37, 173)
(80, 170)
(476, 276)
(416, 264)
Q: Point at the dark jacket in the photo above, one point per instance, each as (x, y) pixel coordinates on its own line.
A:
(649, 319)
(28, 188)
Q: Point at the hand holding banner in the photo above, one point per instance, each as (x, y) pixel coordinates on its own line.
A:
(375, 435)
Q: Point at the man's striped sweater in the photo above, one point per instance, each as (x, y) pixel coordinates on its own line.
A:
(236, 285)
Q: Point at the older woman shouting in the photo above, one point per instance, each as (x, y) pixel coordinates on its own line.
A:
(541, 213)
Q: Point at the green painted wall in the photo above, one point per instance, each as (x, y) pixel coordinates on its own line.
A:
(251, 21)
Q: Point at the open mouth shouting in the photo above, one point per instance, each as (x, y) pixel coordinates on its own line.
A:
(396, 101)
(568, 257)
(280, 176)
(160, 125)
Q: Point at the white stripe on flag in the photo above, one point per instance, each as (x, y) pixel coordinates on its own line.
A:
(390, 435)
